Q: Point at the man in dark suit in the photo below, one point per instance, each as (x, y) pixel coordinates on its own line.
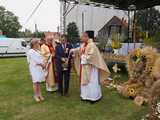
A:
(63, 64)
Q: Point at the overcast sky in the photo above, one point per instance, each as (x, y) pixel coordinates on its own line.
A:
(47, 16)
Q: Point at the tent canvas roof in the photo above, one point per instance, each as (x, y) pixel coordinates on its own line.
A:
(124, 4)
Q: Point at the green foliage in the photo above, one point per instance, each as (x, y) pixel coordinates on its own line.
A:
(38, 34)
(156, 40)
(73, 32)
(9, 23)
(153, 41)
(149, 42)
(149, 20)
(25, 34)
(102, 44)
(29, 34)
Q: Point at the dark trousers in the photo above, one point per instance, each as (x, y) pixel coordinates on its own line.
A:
(63, 81)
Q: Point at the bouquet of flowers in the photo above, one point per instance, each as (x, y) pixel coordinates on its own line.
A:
(116, 42)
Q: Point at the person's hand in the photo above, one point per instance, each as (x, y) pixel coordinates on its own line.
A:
(42, 65)
(63, 59)
(71, 51)
(66, 50)
(53, 54)
(84, 59)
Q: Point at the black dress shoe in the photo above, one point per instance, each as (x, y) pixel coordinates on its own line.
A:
(84, 100)
(93, 102)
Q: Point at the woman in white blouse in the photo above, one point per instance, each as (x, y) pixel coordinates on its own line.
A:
(36, 66)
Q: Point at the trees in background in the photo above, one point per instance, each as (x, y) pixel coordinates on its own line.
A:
(37, 34)
(149, 22)
(9, 23)
(25, 34)
(10, 26)
(29, 34)
(73, 32)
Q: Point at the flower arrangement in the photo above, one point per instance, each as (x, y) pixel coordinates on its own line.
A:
(154, 114)
(116, 44)
(144, 80)
(116, 41)
(136, 63)
(116, 76)
(131, 92)
(141, 67)
(137, 56)
(112, 82)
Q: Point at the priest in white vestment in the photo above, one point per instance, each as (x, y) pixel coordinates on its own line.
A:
(91, 69)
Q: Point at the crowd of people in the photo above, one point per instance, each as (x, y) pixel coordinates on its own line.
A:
(50, 62)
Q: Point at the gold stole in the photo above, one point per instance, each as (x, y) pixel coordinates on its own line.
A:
(85, 70)
(50, 78)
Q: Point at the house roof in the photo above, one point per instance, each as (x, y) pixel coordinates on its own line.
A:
(51, 34)
(124, 4)
(115, 21)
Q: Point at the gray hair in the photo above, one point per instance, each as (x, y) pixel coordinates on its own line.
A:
(33, 42)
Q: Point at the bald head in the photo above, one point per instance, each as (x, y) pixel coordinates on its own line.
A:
(84, 37)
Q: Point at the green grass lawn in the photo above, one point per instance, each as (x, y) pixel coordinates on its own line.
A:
(16, 101)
